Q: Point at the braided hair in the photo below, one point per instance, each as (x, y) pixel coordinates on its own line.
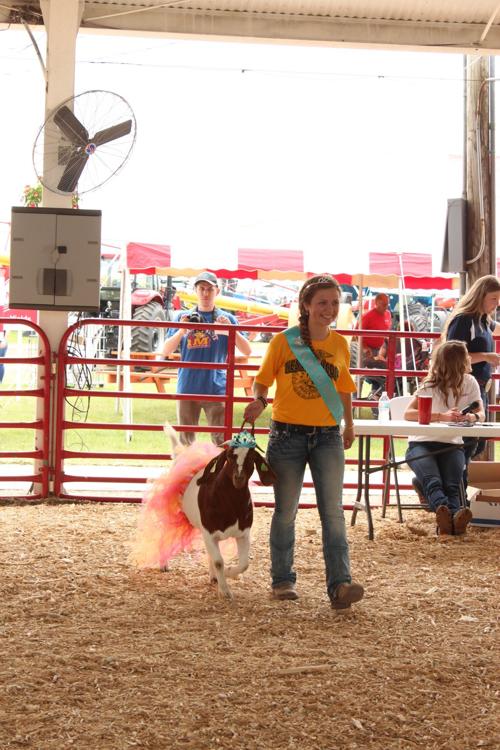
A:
(307, 292)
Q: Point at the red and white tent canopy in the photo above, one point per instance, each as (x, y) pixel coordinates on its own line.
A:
(270, 260)
(406, 264)
(147, 258)
(276, 265)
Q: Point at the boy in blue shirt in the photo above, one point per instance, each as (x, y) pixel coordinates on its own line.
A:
(202, 346)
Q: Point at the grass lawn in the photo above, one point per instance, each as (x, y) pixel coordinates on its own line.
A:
(144, 411)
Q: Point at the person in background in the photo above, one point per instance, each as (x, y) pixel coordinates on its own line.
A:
(304, 431)
(417, 356)
(473, 321)
(202, 346)
(377, 319)
(374, 347)
(451, 387)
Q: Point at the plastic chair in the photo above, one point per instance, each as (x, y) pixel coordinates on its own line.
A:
(398, 405)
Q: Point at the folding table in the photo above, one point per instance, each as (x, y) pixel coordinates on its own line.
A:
(365, 429)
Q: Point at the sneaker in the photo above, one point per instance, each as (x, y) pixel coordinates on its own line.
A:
(346, 594)
(285, 590)
(419, 490)
(461, 520)
(444, 521)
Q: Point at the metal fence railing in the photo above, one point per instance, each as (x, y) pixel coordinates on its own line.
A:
(81, 464)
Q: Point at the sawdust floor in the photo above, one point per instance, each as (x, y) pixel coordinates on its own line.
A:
(96, 654)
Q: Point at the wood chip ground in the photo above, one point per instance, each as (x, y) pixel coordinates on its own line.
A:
(95, 654)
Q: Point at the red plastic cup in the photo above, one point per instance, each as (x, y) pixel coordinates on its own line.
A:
(424, 409)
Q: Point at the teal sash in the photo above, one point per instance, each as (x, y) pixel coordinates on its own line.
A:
(312, 366)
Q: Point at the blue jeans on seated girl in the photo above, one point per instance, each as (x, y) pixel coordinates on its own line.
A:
(440, 475)
(290, 448)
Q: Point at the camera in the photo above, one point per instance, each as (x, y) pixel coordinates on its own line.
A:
(195, 317)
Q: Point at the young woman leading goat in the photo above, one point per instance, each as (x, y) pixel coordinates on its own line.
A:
(310, 364)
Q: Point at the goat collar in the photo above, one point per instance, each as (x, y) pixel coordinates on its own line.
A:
(243, 439)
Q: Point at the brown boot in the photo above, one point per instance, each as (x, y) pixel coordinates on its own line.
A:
(444, 521)
(461, 520)
(420, 493)
(346, 594)
(283, 591)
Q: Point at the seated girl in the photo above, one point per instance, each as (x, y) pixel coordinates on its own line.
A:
(452, 388)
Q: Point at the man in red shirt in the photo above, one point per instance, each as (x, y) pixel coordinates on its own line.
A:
(377, 319)
(373, 347)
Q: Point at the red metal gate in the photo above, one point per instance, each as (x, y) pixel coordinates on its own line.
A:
(37, 477)
(148, 372)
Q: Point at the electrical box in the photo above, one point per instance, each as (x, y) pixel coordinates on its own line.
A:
(55, 259)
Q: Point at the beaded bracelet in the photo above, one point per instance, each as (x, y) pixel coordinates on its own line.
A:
(262, 400)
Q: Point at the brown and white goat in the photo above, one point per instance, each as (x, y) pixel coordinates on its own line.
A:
(217, 501)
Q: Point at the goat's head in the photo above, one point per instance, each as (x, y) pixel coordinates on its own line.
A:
(238, 464)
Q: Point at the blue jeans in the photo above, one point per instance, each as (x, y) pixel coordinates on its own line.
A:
(290, 448)
(439, 475)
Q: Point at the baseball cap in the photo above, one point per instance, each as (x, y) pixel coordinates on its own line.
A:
(209, 278)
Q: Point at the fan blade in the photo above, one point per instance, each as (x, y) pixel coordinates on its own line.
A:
(72, 172)
(70, 126)
(112, 133)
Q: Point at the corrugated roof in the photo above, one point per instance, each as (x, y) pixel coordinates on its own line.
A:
(431, 24)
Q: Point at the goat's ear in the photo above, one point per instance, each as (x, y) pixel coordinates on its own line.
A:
(266, 474)
(212, 468)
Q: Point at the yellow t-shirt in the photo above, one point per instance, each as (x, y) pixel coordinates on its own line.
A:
(297, 399)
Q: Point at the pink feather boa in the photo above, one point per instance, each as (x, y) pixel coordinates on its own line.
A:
(163, 529)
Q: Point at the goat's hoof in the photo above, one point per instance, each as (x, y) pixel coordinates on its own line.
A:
(232, 572)
(164, 569)
(227, 595)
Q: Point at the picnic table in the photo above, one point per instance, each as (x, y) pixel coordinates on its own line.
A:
(160, 375)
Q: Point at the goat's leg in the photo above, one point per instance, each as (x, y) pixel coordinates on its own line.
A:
(212, 547)
(212, 577)
(243, 544)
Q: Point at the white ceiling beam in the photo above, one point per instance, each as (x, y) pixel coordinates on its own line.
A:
(295, 29)
(455, 36)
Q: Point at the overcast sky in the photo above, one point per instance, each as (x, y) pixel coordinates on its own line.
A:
(334, 152)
